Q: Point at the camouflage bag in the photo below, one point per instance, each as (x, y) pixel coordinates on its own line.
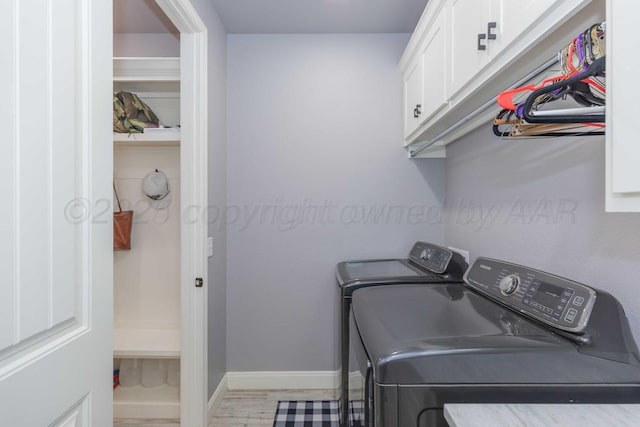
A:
(131, 114)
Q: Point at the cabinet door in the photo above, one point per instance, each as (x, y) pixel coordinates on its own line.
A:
(434, 65)
(515, 17)
(622, 148)
(412, 95)
(467, 19)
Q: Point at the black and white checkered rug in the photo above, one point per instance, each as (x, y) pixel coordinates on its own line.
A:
(314, 413)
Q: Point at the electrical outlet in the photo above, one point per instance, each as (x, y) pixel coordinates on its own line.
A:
(462, 252)
(210, 246)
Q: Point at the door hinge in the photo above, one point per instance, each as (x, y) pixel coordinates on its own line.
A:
(199, 282)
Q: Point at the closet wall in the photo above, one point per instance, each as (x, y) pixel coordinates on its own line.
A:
(146, 278)
(146, 44)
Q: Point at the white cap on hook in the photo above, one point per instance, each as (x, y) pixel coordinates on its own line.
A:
(156, 187)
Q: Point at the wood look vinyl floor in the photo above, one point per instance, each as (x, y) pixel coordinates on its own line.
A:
(242, 408)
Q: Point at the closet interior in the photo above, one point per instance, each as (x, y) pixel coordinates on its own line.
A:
(146, 312)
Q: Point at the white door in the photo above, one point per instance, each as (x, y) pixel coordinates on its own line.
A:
(55, 222)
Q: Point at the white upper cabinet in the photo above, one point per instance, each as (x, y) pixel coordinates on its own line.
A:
(515, 17)
(622, 147)
(434, 87)
(482, 29)
(464, 52)
(412, 96)
(470, 47)
(425, 79)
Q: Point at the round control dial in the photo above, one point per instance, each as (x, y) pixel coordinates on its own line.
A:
(509, 284)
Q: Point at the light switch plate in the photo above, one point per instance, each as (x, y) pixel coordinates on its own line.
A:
(210, 246)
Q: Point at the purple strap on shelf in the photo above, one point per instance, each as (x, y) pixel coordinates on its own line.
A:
(579, 48)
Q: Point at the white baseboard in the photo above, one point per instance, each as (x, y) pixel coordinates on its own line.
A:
(283, 380)
(356, 380)
(216, 398)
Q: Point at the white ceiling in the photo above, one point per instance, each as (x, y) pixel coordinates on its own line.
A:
(282, 16)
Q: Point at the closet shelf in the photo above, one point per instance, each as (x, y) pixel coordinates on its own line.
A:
(150, 343)
(133, 69)
(137, 402)
(165, 137)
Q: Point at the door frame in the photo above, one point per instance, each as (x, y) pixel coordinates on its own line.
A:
(194, 198)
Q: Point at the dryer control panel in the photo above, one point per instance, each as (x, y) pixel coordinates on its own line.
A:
(556, 301)
(431, 257)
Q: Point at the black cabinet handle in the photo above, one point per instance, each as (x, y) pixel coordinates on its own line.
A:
(417, 111)
(480, 45)
(491, 26)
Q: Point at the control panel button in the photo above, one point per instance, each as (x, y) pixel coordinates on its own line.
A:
(509, 284)
(571, 315)
(578, 301)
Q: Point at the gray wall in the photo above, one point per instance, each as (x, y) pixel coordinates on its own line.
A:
(541, 203)
(217, 283)
(314, 139)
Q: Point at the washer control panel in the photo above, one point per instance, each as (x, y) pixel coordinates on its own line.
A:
(431, 257)
(559, 302)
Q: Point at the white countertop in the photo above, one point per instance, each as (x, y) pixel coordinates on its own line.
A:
(542, 415)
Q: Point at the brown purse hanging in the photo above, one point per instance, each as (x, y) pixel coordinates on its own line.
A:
(122, 224)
